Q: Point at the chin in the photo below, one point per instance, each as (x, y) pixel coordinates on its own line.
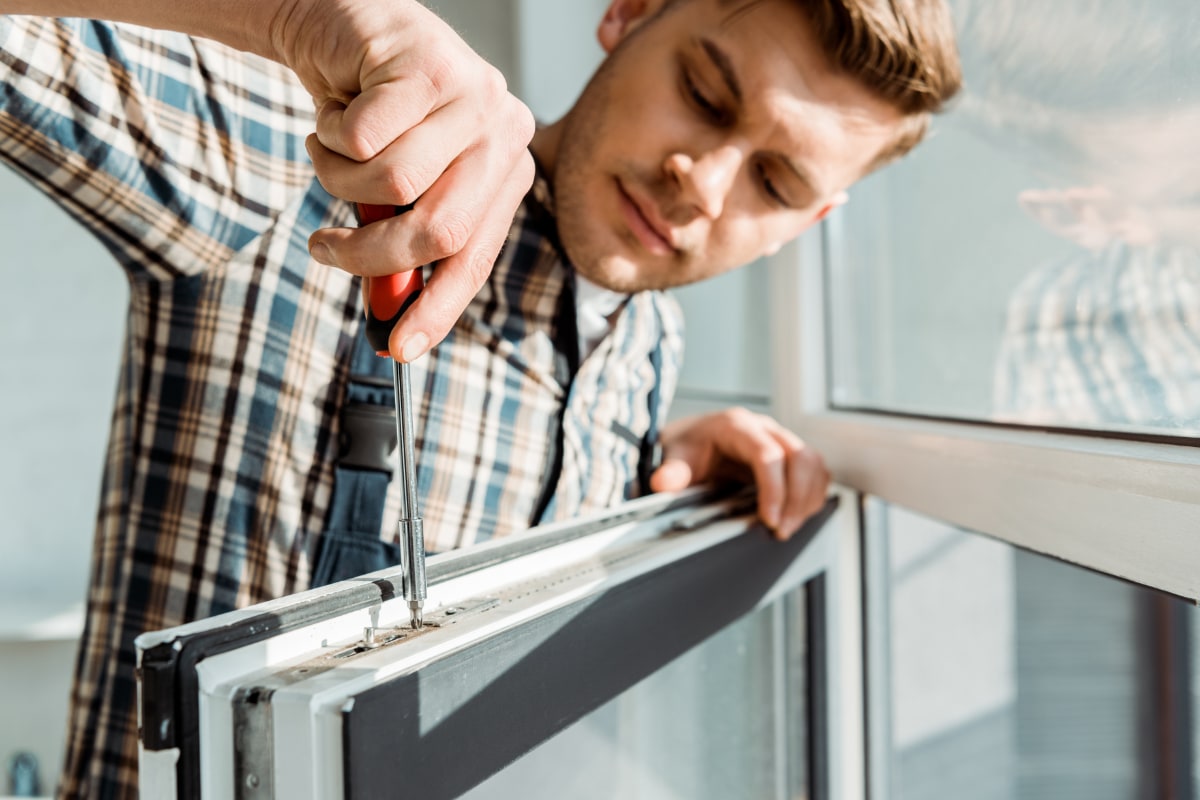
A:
(610, 264)
(613, 272)
(613, 280)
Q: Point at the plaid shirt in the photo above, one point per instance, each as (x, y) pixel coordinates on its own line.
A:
(186, 159)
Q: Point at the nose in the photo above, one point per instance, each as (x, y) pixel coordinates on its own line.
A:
(706, 180)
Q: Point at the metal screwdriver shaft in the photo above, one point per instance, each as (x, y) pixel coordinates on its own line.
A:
(388, 297)
(411, 527)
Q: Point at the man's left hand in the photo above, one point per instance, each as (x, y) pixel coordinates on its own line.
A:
(736, 443)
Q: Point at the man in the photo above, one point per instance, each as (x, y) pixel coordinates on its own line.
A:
(714, 132)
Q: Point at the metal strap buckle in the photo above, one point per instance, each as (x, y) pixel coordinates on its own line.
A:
(367, 437)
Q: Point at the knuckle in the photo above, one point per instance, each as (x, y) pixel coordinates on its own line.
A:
(523, 123)
(360, 142)
(357, 146)
(522, 175)
(739, 417)
(495, 85)
(401, 187)
(440, 75)
(803, 457)
(526, 167)
(442, 315)
(447, 235)
(478, 267)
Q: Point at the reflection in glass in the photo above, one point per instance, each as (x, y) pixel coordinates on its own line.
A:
(726, 720)
(998, 674)
(1108, 336)
(1038, 260)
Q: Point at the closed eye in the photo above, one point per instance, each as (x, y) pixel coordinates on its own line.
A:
(770, 188)
(708, 107)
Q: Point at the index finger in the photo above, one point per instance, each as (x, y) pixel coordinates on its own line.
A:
(456, 280)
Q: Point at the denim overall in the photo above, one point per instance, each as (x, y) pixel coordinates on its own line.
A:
(351, 545)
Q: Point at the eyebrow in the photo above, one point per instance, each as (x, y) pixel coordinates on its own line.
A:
(724, 65)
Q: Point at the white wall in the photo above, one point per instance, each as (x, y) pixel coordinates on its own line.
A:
(61, 321)
(61, 318)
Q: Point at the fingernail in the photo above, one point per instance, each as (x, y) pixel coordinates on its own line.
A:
(414, 347)
(322, 253)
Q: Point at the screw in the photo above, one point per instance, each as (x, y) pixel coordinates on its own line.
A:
(369, 641)
(252, 781)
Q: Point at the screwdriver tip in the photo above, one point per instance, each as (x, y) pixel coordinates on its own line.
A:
(418, 619)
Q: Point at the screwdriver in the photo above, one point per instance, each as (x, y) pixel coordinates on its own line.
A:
(388, 297)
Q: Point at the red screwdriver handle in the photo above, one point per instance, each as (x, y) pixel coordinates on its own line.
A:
(388, 296)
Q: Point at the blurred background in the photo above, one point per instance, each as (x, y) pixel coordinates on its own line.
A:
(1033, 263)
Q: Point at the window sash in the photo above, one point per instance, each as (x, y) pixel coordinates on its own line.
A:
(563, 643)
(1124, 507)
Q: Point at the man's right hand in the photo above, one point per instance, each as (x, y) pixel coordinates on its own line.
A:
(406, 110)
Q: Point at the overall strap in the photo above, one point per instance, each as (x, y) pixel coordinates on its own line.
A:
(350, 545)
(651, 450)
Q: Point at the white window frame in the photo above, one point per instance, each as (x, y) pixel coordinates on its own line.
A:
(1123, 507)
(255, 703)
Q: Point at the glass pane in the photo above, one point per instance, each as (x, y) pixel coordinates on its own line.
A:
(998, 674)
(1037, 259)
(734, 368)
(727, 719)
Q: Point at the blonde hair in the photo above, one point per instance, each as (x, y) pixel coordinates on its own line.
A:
(902, 50)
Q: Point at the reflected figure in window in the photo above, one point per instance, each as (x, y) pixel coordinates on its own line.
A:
(1104, 98)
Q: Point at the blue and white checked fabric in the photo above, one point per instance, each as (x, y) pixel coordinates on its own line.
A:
(1107, 340)
(186, 159)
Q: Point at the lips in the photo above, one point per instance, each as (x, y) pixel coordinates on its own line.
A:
(645, 223)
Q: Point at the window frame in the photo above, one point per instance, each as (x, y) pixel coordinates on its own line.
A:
(1119, 505)
(195, 680)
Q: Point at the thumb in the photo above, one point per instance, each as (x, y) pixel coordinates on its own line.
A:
(672, 475)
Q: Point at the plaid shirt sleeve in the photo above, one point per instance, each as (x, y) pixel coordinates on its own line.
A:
(174, 151)
(186, 159)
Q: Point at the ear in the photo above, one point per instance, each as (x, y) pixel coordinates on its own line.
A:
(839, 199)
(622, 17)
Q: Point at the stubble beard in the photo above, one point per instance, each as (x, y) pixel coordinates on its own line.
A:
(583, 128)
(580, 230)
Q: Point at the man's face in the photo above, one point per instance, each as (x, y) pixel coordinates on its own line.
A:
(711, 135)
